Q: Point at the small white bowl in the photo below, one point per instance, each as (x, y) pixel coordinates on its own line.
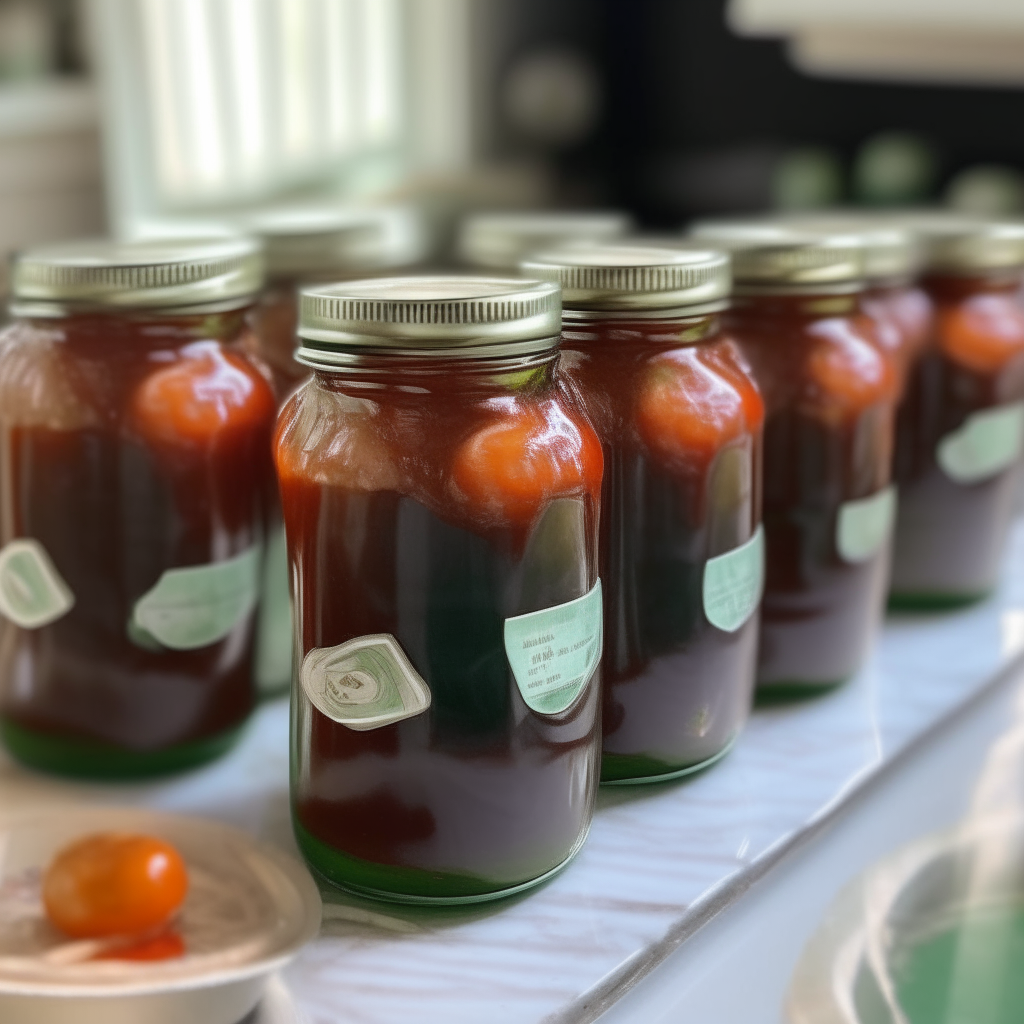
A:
(249, 910)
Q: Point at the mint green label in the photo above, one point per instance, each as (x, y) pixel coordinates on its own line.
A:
(733, 584)
(553, 652)
(364, 683)
(864, 525)
(32, 592)
(274, 626)
(197, 606)
(987, 443)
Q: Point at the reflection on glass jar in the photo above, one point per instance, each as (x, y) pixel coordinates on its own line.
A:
(134, 476)
(961, 425)
(682, 567)
(829, 395)
(440, 491)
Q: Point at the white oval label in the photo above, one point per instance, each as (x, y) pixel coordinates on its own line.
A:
(987, 443)
(733, 584)
(364, 683)
(32, 592)
(864, 525)
(198, 605)
(553, 652)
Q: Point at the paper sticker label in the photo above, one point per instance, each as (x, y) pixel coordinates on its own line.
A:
(553, 652)
(32, 592)
(274, 633)
(864, 525)
(987, 443)
(733, 584)
(364, 683)
(197, 606)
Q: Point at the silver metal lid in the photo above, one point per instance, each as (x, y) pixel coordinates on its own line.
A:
(316, 241)
(221, 273)
(621, 277)
(502, 241)
(891, 251)
(439, 315)
(781, 258)
(958, 244)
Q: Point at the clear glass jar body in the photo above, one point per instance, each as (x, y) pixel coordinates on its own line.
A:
(134, 452)
(958, 455)
(830, 398)
(679, 419)
(433, 501)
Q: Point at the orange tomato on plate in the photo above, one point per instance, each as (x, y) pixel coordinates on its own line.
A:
(110, 884)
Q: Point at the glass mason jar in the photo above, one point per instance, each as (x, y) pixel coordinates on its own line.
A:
(830, 395)
(500, 241)
(134, 473)
(305, 244)
(441, 492)
(682, 550)
(961, 425)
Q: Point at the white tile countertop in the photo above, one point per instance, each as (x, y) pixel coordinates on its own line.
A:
(659, 861)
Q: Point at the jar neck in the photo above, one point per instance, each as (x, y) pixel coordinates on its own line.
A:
(144, 327)
(950, 287)
(433, 374)
(809, 307)
(671, 332)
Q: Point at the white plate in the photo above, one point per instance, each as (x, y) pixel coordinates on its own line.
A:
(249, 910)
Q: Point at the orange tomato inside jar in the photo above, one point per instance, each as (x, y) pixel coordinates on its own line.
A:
(440, 490)
(135, 455)
(681, 558)
(830, 393)
(961, 426)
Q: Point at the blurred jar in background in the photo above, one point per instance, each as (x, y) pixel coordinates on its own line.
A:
(893, 296)
(307, 244)
(134, 475)
(441, 491)
(501, 241)
(830, 396)
(961, 427)
(682, 550)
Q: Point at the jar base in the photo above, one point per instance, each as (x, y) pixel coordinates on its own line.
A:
(85, 759)
(786, 690)
(337, 869)
(924, 602)
(637, 770)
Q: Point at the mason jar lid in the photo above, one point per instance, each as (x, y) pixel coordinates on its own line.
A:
(623, 277)
(436, 315)
(959, 244)
(782, 258)
(891, 251)
(503, 240)
(206, 274)
(316, 241)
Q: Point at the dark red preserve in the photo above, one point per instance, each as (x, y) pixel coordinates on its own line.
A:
(961, 425)
(440, 490)
(830, 394)
(134, 476)
(682, 550)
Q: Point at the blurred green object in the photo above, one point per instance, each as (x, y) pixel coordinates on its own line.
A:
(807, 178)
(968, 972)
(894, 169)
(988, 190)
